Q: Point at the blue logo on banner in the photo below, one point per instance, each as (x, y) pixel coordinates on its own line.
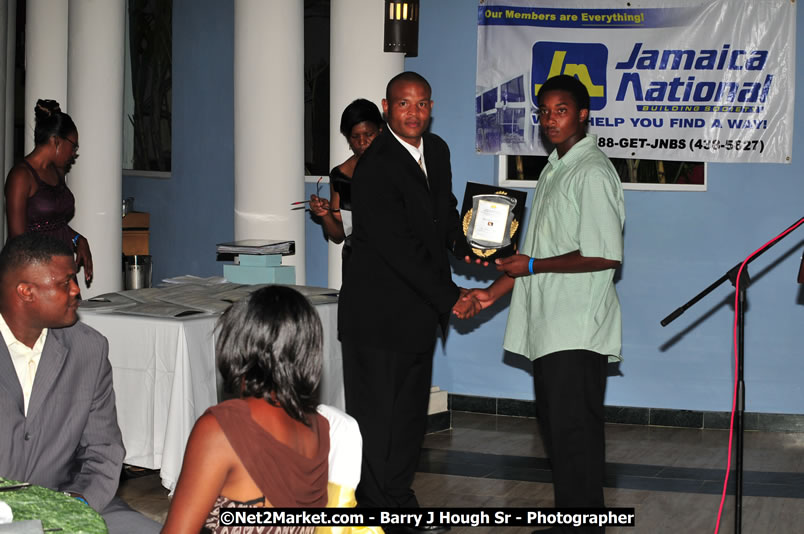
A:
(585, 61)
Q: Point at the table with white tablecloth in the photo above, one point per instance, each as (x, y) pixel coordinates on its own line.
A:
(165, 377)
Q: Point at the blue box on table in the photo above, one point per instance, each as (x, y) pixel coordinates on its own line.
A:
(260, 260)
(250, 274)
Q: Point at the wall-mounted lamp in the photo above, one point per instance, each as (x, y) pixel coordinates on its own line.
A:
(402, 27)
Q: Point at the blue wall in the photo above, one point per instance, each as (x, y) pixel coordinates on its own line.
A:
(675, 243)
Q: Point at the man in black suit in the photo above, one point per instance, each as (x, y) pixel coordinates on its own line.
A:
(398, 289)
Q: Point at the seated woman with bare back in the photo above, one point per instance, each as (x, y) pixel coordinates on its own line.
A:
(269, 447)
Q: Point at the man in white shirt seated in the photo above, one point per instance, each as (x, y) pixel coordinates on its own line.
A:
(57, 407)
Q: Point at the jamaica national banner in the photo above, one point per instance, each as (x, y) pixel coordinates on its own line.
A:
(687, 80)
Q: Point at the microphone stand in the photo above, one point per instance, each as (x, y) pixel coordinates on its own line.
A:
(731, 275)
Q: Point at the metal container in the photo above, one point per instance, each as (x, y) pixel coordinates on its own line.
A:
(128, 205)
(137, 271)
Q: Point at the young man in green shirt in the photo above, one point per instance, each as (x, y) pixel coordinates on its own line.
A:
(565, 315)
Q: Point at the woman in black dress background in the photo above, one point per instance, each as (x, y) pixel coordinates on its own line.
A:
(360, 123)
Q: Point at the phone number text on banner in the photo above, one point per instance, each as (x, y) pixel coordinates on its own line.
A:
(687, 80)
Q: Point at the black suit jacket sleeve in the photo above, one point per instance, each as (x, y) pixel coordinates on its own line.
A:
(455, 240)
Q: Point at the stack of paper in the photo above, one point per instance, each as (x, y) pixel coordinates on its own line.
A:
(257, 246)
(187, 299)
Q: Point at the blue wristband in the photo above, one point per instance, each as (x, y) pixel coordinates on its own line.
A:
(530, 266)
(83, 500)
(75, 240)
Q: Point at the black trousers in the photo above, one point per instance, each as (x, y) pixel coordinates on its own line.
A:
(570, 387)
(387, 392)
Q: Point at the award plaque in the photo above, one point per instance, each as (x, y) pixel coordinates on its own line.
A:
(491, 218)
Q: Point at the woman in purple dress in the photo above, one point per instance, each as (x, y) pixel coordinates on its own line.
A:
(37, 196)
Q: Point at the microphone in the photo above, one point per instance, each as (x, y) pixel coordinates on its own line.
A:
(801, 271)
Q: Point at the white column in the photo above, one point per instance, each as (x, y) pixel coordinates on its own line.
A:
(95, 102)
(269, 124)
(45, 58)
(358, 69)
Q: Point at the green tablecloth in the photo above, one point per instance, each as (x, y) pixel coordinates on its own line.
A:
(53, 508)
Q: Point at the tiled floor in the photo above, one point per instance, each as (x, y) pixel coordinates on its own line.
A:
(672, 477)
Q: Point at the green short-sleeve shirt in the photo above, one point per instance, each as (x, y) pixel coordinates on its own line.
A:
(577, 205)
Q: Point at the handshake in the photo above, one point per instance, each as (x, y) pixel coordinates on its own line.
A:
(471, 302)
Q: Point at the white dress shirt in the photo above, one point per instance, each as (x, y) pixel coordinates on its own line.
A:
(417, 153)
(25, 359)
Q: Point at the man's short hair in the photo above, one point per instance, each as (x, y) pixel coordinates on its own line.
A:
(30, 248)
(407, 76)
(570, 84)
